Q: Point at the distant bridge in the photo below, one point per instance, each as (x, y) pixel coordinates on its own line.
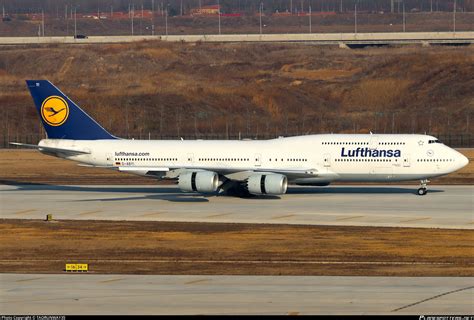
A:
(341, 39)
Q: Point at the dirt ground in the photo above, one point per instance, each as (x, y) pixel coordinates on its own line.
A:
(34, 246)
(28, 166)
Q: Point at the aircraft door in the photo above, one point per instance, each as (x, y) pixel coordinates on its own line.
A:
(109, 159)
(327, 160)
(406, 161)
(258, 160)
(374, 142)
(190, 158)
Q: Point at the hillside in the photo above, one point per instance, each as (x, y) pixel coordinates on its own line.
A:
(258, 90)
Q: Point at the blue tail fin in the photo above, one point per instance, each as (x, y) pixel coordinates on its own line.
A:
(61, 117)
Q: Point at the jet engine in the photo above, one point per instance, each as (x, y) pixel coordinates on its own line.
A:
(273, 184)
(199, 181)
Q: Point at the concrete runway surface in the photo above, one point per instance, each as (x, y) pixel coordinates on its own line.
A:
(375, 205)
(155, 294)
(314, 38)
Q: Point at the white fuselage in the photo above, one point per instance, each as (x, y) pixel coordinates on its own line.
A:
(309, 159)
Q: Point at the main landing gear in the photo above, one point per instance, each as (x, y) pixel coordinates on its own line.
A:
(422, 190)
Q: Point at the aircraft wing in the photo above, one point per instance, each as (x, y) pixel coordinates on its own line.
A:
(311, 173)
(294, 173)
(243, 173)
(50, 149)
(157, 172)
(233, 174)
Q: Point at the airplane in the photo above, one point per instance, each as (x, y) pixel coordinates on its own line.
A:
(241, 167)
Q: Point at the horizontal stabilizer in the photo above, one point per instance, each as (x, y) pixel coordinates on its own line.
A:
(50, 149)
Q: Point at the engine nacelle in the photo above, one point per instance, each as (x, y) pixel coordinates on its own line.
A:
(199, 181)
(273, 184)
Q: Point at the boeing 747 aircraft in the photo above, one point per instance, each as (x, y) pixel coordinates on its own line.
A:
(243, 167)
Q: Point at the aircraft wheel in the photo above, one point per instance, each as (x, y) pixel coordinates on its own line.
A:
(422, 191)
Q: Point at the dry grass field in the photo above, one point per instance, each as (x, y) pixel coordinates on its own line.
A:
(27, 166)
(258, 90)
(32, 246)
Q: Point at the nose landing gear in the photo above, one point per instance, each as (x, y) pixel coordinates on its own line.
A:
(423, 190)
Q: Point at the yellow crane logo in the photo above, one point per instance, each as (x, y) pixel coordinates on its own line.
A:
(54, 111)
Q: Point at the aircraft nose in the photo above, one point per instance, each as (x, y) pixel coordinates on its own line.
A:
(463, 160)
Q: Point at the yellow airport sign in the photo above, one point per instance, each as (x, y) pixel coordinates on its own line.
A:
(77, 267)
(82, 267)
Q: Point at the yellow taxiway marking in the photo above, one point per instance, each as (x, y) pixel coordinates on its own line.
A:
(283, 217)
(25, 280)
(419, 219)
(112, 280)
(24, 211)
(472, 222)
(293, 313)
(89, 212)
(349, 218)
(197, 281)
(218, 215)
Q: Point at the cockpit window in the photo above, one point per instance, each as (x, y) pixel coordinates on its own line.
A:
(434, 141)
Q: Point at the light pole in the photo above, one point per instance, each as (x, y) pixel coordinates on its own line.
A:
(454, 16)
(67, 22)
(152, 17)
(166, 20)
(355, 18)
(404, 23)
(310, 19)
(219, 8)
(42, 22)
(141, 21)
(133, 13)
(75, 22)
(261, 8)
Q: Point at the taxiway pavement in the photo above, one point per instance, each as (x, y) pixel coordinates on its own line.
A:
(374, 205)
(157, 294)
